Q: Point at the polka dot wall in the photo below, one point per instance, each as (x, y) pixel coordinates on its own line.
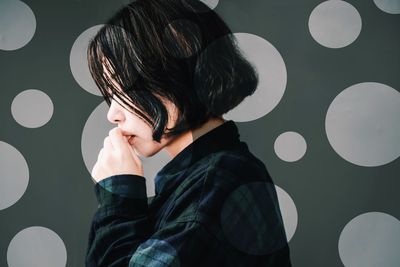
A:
(324, 119)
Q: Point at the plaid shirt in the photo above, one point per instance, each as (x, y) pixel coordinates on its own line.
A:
(215, 205)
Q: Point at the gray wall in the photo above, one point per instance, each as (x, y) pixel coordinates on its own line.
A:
(324, 119)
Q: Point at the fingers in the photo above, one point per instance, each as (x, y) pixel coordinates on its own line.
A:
(118, 141)
(107, 144)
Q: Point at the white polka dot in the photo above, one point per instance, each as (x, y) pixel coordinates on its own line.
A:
(272, 78)
(32, 108)
(289, 212)
(290, 146)
(363, 124)
(36, 246)
(388, 6)
(97, 128)
(14, 175)
(78, 60)
(17, 24)
(210, 3)
(369, 240)
(335, 24)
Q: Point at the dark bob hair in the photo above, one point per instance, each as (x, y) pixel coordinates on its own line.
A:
(179, 50)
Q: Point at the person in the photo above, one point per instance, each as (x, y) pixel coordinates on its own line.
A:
(169, 70)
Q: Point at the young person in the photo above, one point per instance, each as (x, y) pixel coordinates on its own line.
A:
(169, 70)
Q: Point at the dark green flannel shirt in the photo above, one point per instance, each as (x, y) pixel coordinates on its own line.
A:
(215, 205)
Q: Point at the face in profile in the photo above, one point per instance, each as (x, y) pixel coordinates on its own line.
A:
(138, 131)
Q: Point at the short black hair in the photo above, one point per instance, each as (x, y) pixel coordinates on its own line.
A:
(180, 50)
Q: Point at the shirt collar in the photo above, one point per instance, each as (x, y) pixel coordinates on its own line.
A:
(223, 137)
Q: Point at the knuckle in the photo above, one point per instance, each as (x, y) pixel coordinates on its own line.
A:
(112, 131)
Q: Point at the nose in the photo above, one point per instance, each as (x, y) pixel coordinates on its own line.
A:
(115, 114)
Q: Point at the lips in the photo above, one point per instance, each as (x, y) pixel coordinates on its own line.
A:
(128, 135)
(130, 139)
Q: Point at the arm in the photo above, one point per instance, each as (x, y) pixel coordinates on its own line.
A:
(121, 232)
(120, 223)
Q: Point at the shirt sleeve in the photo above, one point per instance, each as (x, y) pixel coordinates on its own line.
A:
(121, 233)
(120, 223)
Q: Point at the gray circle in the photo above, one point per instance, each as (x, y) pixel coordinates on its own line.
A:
(335, 24)
(290, 146)
(251, 219)
(388, 6)
(97, 128)
(17, 24)
(36, 246)
(272, 78)
(369, 240)
(363, 124)
(289, 212)
(14, 175)
(160, 252)
(211, 3)
(78, 60)
(32, 108)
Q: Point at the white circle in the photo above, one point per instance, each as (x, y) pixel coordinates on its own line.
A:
(210, 3)
(78, 60)
(32, 108)
(289, 212)
(290, 146)
(272, 78)
(388, 6)
(14, 175)
(96, 128)
(370, 239)
(36, 246)
(17, 24)
(363, 124)
(335, 24)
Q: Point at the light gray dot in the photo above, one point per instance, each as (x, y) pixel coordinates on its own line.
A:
(211, 3)
(290, 146)
(271, 68)
(96, 128)
(335, 24)
(289, 212)
(17, 24)
(14, 175)
(388, 6)
(78, 60)
(155, 252)
(251, 219)
(36, 246)
(32, 108)
(363, 124)
(370, 239)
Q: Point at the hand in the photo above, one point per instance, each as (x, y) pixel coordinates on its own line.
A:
(116, 157)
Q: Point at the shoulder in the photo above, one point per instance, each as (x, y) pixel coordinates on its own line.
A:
(239, 203)
(231, 177)
(237, 167)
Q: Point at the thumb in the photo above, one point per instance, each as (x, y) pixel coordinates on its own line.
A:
(135, 155)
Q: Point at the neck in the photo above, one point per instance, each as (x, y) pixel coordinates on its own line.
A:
(185, 139)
